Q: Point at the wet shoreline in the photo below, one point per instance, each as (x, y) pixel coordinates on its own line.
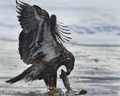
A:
(96, 70)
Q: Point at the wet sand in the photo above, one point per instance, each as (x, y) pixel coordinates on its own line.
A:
(97, 70)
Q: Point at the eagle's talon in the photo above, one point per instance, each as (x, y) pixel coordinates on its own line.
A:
(55, 89)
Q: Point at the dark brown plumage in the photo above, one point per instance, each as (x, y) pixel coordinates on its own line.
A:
(40, 44)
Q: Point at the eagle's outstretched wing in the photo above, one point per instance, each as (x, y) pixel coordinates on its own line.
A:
(40, 35)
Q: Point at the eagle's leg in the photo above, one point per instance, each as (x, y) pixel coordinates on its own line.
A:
(55, 84)
(55, 80)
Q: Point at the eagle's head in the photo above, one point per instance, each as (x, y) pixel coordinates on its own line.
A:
(69, 64)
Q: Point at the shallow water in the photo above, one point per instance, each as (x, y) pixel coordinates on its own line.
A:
(97, 70)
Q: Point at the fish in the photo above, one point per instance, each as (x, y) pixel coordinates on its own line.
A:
(65, 80)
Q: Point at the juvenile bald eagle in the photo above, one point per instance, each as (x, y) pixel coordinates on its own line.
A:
(40, 44)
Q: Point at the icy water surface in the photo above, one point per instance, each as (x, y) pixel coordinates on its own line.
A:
(97, 70)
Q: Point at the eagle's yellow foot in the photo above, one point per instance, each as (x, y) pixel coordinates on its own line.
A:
(54, 89)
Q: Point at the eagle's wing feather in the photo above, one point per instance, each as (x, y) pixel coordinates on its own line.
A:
(59, 31)
(27, 18)
(29, 38)
(40, 36)
(27, 53)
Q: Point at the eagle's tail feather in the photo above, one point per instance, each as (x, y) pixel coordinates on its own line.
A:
(19, 77)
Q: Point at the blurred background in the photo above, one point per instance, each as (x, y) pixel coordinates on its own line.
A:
(91, 22)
